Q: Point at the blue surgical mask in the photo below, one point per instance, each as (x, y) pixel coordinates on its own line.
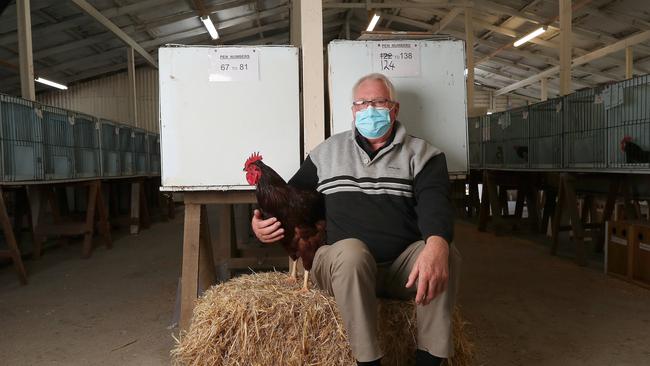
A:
(372, 123)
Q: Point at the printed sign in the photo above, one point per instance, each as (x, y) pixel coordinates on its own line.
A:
(234, 64)
(396, 59)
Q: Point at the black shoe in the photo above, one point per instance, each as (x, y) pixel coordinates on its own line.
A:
(424, 358)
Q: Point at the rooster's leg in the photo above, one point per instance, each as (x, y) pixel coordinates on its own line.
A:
(305, 288)
(292, 276)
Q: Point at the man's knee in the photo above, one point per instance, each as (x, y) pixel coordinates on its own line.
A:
(353, 256)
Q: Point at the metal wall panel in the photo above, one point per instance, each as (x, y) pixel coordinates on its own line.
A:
(107, 98)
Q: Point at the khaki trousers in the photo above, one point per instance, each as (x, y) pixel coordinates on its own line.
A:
(347, 271)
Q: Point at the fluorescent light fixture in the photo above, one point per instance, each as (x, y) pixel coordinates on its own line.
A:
(530, 36)
(210, 26)
(51, 83)
(489, 113)
(373, 22)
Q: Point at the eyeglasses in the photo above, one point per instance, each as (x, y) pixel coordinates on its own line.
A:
(381, 103)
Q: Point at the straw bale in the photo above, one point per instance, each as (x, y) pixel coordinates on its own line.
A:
(260, 319)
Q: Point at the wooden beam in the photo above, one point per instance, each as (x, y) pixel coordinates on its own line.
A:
(629, 62)
(90, 10)
(469, 55)
(133, 107)
(544, 89)
(24, 24)
(399, 4)
(565, 46)
(615, 47)
(444, 22)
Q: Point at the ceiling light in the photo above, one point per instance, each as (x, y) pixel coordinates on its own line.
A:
(373, 22)
(210, 26)
(489, 113)
(530, 36)
(51, 83)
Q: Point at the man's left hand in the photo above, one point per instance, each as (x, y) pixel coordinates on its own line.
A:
(431, 270)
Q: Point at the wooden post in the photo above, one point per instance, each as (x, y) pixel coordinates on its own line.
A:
(136, 192)
(13, 252)
(307, 33)
(565, 46)
(469, 54)
(629, 62)
(24, 23)
(543, 89)
(190, 271)
(133, 105)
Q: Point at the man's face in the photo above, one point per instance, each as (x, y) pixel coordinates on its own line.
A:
(372, 90)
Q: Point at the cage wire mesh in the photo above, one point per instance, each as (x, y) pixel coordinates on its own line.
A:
(110, 152)
(21, 139)
(493, 143)
(140, 149)
(153, 140)
(628, 123)
(515, 138)
(58, 142)
(545, 137)
(475, 130)
(585, 130)
(87, 147)
(126, 138)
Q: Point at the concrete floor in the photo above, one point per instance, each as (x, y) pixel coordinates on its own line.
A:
(525, 307)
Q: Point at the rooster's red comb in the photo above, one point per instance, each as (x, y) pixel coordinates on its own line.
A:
(627, 138)
(253, 158)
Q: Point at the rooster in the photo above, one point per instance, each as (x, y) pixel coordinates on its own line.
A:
(633, 152)
(301, 212)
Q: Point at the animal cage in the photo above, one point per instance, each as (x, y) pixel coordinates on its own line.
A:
(545, 134)
(22, 140)
(627, 106)
(126, 147)
(153, 142)
(493, 142)
(475, 137)
(86, 144)
(585, 130)
(515, 138)
(110, 148)
(140, 149)
(58, 142)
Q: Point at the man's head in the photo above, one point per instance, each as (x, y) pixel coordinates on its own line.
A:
(373, 96)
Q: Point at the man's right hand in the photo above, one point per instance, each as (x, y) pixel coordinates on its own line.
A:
(267, 231)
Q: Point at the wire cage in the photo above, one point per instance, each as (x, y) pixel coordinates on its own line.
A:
(140, 148)
(153, 140)
(58, 142)
(127, 152)
(475, 137)
(545, 134)
(585, 130)
(22, 140)
(110, 148)
(87, 147)
(515, 138)
(493, 138)
(627, 106)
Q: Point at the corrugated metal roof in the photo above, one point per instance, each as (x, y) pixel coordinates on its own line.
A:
(70, 46)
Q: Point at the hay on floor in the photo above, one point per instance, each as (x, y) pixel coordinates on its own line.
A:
(260, 319)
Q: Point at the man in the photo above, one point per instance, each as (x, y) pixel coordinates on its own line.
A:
(389, 223)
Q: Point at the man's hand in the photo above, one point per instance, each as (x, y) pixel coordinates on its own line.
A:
(431, 270)
(267, 231)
